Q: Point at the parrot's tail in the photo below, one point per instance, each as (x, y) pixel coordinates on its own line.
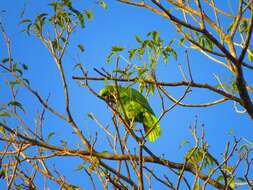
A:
(155, 132)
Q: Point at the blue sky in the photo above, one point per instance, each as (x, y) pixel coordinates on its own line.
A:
(115, 26)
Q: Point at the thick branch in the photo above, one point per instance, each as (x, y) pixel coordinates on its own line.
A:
(240, 82)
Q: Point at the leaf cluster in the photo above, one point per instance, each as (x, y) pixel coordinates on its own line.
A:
(64, 15)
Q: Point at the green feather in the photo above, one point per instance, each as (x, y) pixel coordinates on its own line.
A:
(148, 124)
(135, 106)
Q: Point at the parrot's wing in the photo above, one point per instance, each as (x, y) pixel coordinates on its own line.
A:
(149, 121)
(136, 96)
(138, 113)
(136, 107)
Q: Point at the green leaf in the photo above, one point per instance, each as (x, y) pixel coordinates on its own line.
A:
(81, 47)
(129, 74)
(201, 41)
(152, 61)
(42, 15)
(244, 26)
(7, 60)
(117, 48)
(25, 67)
(63, 39)
(27, 81)
(77, 65)
(231, 26)
(250, 54)
(3, 173)
(28, 28)
(141, 51)
(138, 39)
(38, 27)
(90, 115)
(220, 178)
(67, 2)
(5, 114)
(174, 54)
(102, 3)
(81, 19)
(25, 21)
(89, 14)
(155, 36)
(167, 48)
(141, 86)
(242, 147)
(2, 131)
(232, 184)
(171, 41)
(14, 82)
(228, 168)
(54, 45)
(56, 6)
(241, 179)
(165, 56)
(80, 167)
(210, 170)
(14, 67)
(15, 103)
(105, 152)
(234, 87)
(132, 53)
(109, 57)
(118, 71)
(209, 44)
(151, 45)
(197, 155)
(19, 71)
(230, 132)
(181, 41)
(151, 89)
(50, 136)
(141, 71)
(196, 33)
(183, 143)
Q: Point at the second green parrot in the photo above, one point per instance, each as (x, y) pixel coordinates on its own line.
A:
(135, 107)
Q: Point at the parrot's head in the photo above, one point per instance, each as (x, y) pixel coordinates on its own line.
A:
(108, 92)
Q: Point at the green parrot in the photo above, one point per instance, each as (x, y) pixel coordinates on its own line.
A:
(135, 106)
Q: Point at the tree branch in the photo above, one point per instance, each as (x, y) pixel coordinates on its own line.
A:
(180, 83)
